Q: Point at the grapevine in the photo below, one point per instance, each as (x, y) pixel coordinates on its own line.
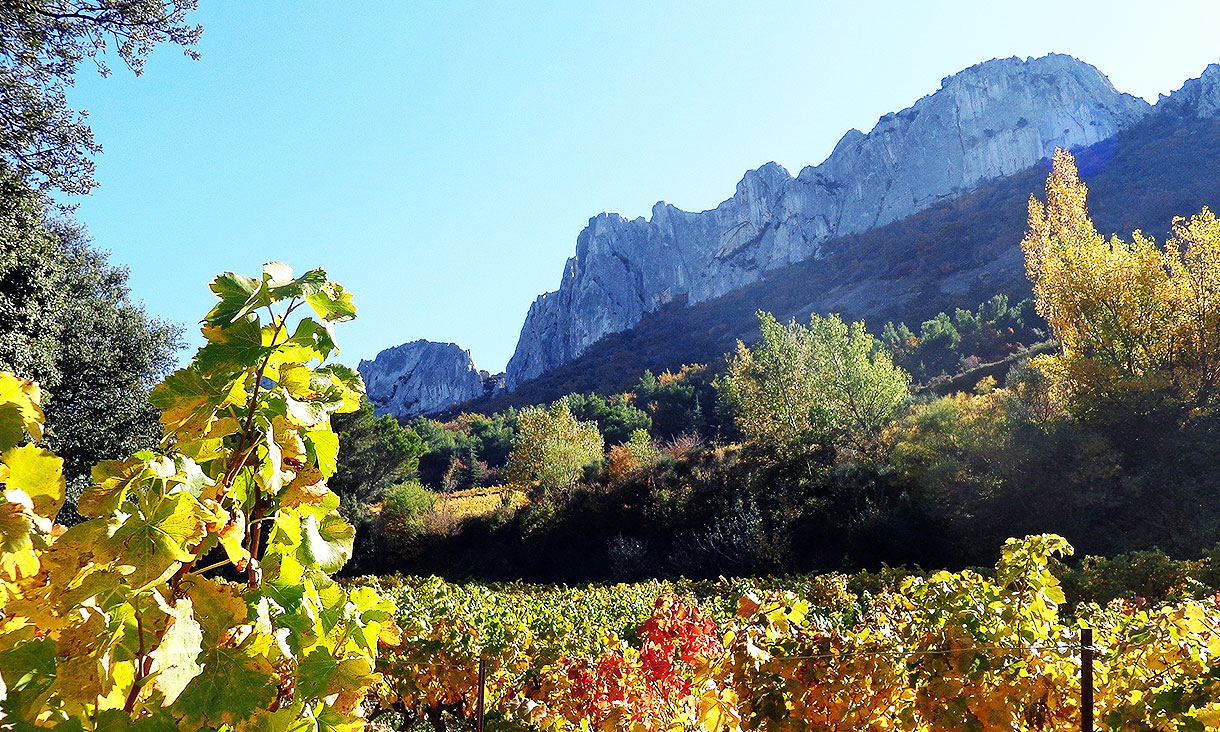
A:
(953, 651)
(196, 594)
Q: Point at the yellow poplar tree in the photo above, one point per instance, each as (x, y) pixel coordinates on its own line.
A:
(1131, 318)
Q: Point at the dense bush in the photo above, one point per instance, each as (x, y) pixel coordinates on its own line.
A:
(616, 417)
(403, 517)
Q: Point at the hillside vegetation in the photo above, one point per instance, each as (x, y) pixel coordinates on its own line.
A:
(823, 447)
(196, 593)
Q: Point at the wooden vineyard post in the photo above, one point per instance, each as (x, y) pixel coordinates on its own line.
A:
(1086, 680)
(478, 710)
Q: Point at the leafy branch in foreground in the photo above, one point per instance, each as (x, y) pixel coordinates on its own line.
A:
(122, 621)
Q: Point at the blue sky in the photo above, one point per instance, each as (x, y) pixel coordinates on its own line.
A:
(439, 159)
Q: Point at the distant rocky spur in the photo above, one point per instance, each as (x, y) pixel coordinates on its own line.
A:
(424, 377)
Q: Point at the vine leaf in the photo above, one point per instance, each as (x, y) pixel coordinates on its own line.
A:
(332, 303)
(177, 655)
(326, 545)
(20, 410)
(236, 680)
(238, 296)
(188, 401)
(112, 479)
(159, 535)
(236, 346)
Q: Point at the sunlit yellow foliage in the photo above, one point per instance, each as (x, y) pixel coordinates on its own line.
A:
(1131, 318)
(476, 502)
(669, 377)
(552, 448)
(122, 622)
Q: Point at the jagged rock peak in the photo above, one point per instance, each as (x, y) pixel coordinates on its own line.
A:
(990, 120)
(421, 377)
(1199, 97)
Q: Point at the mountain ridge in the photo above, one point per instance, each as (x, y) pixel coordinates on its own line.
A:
(991, 119)
(955, 254)
(625, 269)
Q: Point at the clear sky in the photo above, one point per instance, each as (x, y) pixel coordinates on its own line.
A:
(439, 158)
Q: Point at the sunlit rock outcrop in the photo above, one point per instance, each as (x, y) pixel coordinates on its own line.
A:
(422, 377)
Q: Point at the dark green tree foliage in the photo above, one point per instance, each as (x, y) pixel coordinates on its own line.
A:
(440, 445)
(946, 345)
(377, 452)
(41, 45)
(447, 445)
(68, 322)
(491, 437)
(616, 418)
(472, 471)
(110, 354)
(685, 402)
(30, 295)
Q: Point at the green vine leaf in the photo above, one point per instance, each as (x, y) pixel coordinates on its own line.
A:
(326, 544)
(159, 534)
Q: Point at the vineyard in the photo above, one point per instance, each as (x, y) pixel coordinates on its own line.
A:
(949, 652)
(196, 594)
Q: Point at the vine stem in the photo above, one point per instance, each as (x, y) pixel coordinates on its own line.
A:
(141, 669)
(242, 452)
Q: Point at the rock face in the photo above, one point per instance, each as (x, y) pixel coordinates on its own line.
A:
(1198, 97)
(990, 120)
(422, 377)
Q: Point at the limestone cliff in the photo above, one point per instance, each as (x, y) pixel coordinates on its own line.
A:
(1199, 97)
(422, 377)
(990, 120)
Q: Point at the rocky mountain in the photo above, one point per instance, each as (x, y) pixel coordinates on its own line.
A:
(422, 377)
(957, 252)
(1196, 98)
(991, 120)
